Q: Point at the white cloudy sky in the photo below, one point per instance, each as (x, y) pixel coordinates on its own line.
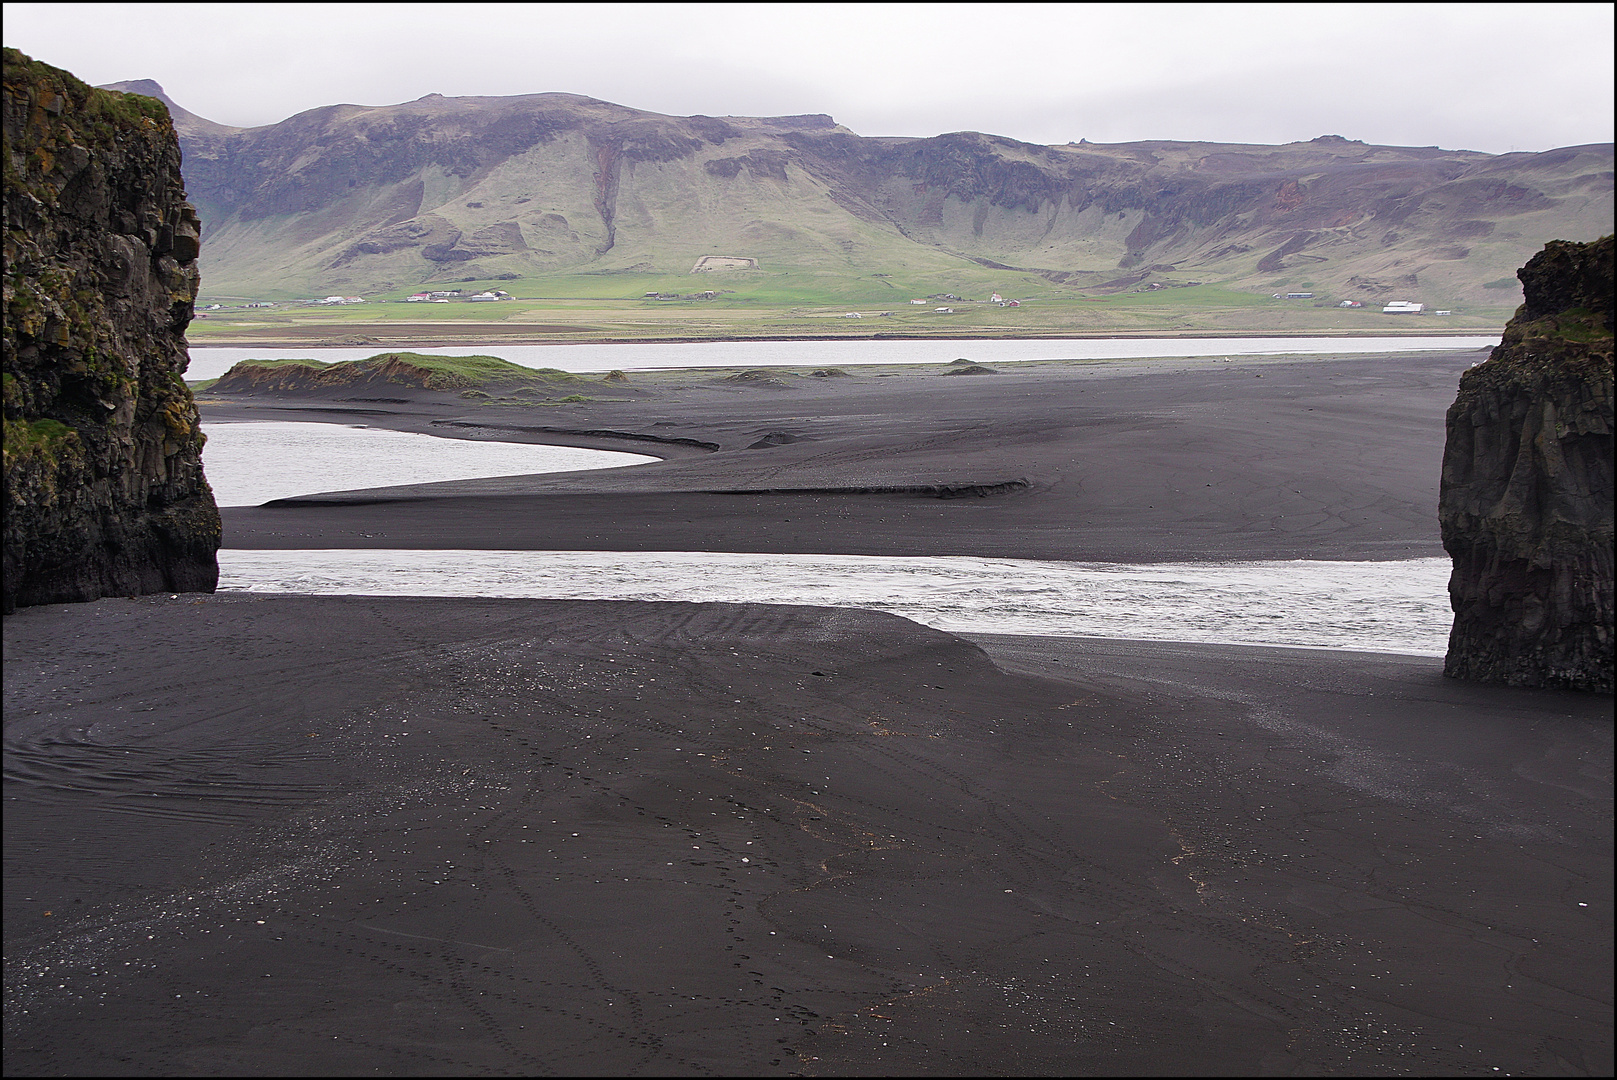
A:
(1492, 77)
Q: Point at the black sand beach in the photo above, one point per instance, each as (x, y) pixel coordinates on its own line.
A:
(261, 835)
(1318, 457)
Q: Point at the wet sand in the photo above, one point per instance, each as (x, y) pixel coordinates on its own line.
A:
(269, 835)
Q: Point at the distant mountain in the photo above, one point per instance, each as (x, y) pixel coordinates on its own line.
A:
(357, 199)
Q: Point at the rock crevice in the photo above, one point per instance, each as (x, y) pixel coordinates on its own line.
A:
(104, 491)
(1526, 503)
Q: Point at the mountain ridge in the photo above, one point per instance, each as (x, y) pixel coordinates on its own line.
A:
(388, 198)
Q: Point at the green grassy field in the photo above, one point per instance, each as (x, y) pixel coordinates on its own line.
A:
(611, 307)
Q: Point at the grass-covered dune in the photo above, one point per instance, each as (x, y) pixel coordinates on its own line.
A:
(396, 370)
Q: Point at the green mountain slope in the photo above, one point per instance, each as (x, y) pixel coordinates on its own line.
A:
(571, 196)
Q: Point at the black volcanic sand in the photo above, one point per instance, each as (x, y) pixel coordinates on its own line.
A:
(1327, 457)
(301, 835)
(266, 835)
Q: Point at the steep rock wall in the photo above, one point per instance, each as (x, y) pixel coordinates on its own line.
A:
(1526, 503)
(104, 492)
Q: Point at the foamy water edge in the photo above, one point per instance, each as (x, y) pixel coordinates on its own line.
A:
(1396, 606)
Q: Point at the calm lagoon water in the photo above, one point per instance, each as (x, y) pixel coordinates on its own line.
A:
(254, 462)
(1399, 607)
(209, 362)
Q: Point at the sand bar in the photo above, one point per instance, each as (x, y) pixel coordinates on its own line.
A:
(1126, 461)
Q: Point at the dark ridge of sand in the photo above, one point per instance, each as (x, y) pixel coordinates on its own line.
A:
(1319, 457)
(337, 835)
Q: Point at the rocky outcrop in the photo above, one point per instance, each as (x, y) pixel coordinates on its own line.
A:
(1526, 504)
(104, 492)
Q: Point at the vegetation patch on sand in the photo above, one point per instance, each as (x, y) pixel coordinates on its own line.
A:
(399, 370)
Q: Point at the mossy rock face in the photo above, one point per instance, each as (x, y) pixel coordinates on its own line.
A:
(1567, 277)
(1527, 486)
(104, 491)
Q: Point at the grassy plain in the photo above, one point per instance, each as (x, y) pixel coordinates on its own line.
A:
(760, 306)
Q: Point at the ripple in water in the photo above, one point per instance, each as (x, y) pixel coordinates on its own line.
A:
(1399, 607)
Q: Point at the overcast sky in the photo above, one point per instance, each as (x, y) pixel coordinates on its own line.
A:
(1492, 77)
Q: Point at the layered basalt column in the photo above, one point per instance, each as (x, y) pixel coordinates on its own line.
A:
(1526, 503)
(104, 491)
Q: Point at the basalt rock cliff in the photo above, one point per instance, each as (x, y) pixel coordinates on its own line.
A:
(1526, 503)
(104, 491)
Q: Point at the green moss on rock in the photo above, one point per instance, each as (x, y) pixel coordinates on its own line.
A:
(104, 491)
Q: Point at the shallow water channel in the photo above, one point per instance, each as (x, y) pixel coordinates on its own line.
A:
(209, 362)
(250, 463)
(1399, 606)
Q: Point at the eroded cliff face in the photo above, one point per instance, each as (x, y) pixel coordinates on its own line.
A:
(104, 492)
(1526, 504)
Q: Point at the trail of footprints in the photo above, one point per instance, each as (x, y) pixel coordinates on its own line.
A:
(1036, 857)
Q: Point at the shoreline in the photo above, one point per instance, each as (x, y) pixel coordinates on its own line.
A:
(1132, 461)
(1311, 604)
(277, 834)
